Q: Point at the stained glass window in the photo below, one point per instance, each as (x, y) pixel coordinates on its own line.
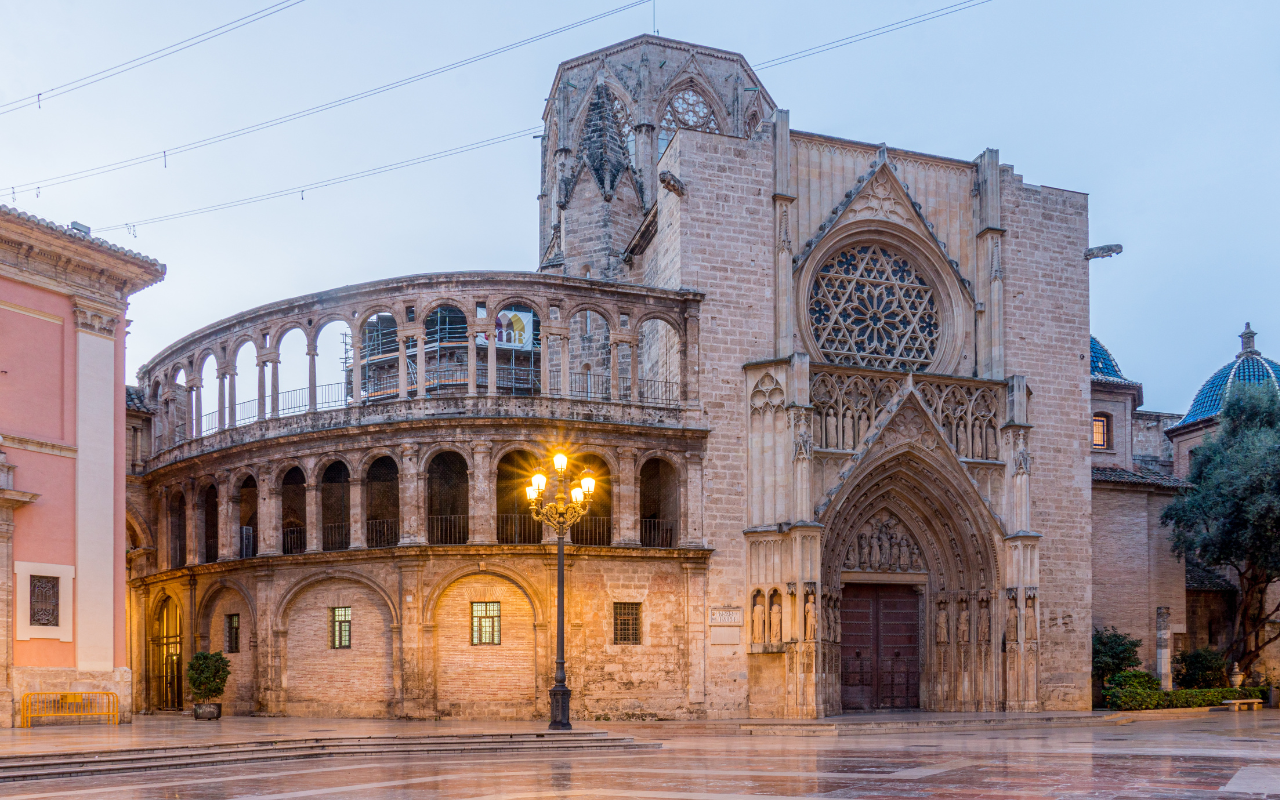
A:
(869, 307)
(688, 109)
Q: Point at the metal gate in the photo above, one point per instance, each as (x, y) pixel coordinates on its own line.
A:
(879, 647)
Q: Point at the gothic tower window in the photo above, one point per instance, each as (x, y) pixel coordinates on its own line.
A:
(625, 129)
(870, 307)
(687, 109)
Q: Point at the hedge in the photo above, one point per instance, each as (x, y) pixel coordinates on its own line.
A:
(1134, 699)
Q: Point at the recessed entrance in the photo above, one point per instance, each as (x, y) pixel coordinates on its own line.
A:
(879, 647)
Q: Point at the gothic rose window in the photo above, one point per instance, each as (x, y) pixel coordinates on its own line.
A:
(688, 109)
(869, 307)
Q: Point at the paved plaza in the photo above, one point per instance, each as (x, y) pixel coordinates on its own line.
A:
(1178, 756)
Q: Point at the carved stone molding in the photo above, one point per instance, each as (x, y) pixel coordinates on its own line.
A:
(95, 318)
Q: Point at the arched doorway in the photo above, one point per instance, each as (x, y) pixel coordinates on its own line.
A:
(382, 503)
(485, 650)
(169, 654)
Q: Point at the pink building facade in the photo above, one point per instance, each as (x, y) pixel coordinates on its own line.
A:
(63, 297)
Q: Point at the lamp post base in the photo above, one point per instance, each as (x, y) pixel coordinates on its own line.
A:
(559, 709)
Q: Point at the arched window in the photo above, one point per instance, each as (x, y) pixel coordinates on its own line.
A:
(596, 528)
(379, 358)
(209, 518)
(515, 524)
(870, 307)
(382, 503)
(659, 504)
(447, 501)
(1102, 433)
(688, 109)
(247, 532)
(519, 351)
(626, 131)
(177, 530)
(335, 507)
(293, 511)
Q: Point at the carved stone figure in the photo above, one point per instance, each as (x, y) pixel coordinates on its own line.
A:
(895, 553)
(757, 621)
(810, 619)
(775, 623)
(862, 551)
(874, 562)
(984, 622)
(916, 564)
(942, 625)
(1031, 619)
(1011, 621)
(962, 624)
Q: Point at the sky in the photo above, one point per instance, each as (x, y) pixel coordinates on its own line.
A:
(1165, 114)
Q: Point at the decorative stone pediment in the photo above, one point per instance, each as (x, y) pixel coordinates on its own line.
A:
(883, 544)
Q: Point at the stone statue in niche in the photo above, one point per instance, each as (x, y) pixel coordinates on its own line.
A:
(775, 623)
(1011, 621)
(862, 552)
(757, 620)
(984, 622)
(942, 625)
(1031, 619)
(962, 624)
(810, 619)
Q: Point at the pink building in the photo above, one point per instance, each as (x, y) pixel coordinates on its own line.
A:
(63, 297)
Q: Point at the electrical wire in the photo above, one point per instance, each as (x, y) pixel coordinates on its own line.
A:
(353, 176)
(119, 69)
(159, 155)
(871, 34)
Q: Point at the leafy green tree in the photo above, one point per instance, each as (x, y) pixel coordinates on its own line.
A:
(1113, 653)
(1230, 518)
(207, 674)
(1200, 669)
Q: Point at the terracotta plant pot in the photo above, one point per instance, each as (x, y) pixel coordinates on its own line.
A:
(208, 710)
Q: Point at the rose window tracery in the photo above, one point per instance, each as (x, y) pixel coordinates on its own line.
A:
(687, 109)
(869, 307)
(622, 116)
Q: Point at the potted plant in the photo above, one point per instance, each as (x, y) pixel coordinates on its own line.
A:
(207, 675)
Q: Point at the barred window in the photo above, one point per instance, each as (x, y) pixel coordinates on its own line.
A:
(44, 600)
(231, 641)
(341, 636)
(626, 623)
(1101, 432)
(486, 623)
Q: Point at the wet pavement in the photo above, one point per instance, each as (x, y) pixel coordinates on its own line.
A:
(1182, 756)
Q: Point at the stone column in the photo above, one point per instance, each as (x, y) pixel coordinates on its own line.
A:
(231, 397)
(472, 332)
(189, 496)
(613, 372)
(357, 385)
(422, 364)
(691, 536)
(356, 498)
(270, 521)
(312, 351)
(695, 576)
(689, 358)
(314, 517)
(262, 388)
(492, 339)
(626, 508)
(275, 386)
(222, 400)
(565, 389)
(1164, 667)
(483, 523)
(412, 531)
(197, 416)
(228, 520)
(544, 367)
(402, 365)
(634, 346)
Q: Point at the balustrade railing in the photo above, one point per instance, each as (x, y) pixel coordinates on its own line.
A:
(658, 533)
(659, 393)
(447, 529)
(335, 536)
(332, 395)
(294, 541)
(520, 381)
(293, 402)
(209, 423)
(518, 529)
(246, 412)
(248, 542)
(381, 387)
(382, 532)
(592, 531)
(589, 386)
(437, 382)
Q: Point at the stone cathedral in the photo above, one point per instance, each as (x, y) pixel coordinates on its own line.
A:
(836, 396)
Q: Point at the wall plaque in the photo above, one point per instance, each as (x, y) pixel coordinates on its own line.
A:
(727, 617)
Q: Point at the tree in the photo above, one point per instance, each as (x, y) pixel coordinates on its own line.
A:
(1113, 653)
(1230, 518)
(1200, 669)
(207, 674)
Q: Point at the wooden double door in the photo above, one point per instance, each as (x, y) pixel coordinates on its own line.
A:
(879, 646)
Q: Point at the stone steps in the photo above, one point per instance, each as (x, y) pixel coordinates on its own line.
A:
(43, 766)
(870, 727)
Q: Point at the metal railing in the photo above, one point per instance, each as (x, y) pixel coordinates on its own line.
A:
(209, 423)
(593, 531)
(381, 387)
(382, 532)
(444, 381)
(294, 541)
(41, 705)
(331, 395)
(246, 412)
(589, 386)
(658, 533)
(519, 380)
(248, 542)
(335, 536)
(659, 393)
(518, 529)
(293, 402)
(451, 529)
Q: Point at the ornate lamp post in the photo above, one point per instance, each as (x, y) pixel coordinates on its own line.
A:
(560, 515)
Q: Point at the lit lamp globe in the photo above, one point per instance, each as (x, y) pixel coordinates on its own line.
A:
(539, 482)
(588, 482)
(561, 462)
(576, 494)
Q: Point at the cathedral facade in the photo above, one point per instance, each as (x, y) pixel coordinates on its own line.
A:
(836, 396)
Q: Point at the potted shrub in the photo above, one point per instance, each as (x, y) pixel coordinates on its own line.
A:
(207, 675)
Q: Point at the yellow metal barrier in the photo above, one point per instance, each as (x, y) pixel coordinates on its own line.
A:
(70, 704)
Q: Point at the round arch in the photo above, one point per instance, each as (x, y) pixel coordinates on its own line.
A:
(280, 616)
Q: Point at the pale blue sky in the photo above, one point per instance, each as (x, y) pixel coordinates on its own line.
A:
(1166, 114)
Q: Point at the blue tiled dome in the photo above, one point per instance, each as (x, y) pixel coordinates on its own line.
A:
(1249, 367)
(1101, 363)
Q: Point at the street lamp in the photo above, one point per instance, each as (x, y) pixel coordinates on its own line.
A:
(560, 515)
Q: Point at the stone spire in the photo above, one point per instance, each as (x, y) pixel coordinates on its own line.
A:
(1246, 343)
(601, 146)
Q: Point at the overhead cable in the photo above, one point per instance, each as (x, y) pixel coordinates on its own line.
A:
(354, 176)
(159, 155)
(132, 64)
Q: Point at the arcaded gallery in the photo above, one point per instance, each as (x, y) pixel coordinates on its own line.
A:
(840, 448)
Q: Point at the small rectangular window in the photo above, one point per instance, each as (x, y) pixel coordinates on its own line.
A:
(1101, 432)
(486, 623)
(626, 623)
(231, 642)
(341, 637)
(44, 600)
(408, 313)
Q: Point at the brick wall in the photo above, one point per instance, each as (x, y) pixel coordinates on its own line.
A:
(489, 681)
(1046, 337)
(238, 699)
(321, 681)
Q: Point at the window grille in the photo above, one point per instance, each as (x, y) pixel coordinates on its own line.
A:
(1101, 432)
(44, 600)
(869, 307)
(486, 623)
(341, 637)
(231, 642)
(626, 623)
